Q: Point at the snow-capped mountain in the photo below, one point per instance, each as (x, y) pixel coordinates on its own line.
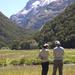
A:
(37, 12)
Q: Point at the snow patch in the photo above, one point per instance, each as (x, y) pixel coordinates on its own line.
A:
(35, 4)
(24, 12)
(46, 2)
(53, 0)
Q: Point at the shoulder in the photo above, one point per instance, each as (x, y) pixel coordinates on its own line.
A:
(46, 49)
(40, 50)
(55, 48)
(61, 47)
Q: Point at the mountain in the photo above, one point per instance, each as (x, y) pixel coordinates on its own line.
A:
(37, 12)
(9, 31)
(61, 28)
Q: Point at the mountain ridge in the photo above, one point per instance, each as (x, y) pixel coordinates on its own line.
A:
(37, 12)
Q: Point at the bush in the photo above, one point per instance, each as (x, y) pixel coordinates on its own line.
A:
(22, 61)
(15, 62)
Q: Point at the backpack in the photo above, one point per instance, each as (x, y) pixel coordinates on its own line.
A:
(43, 54)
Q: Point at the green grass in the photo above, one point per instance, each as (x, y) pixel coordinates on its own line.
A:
(34, 70)
(9, 57)
(69, 56)
(30, 56)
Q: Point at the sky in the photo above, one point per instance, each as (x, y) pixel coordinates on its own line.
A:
(9, 7)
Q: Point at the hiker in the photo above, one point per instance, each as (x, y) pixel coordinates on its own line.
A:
(58, 54)
(43, 55)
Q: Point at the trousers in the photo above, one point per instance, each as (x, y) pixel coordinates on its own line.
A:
(58, 64)
(45, 67)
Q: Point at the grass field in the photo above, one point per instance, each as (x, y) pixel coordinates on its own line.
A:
(30, 56)
(9, 58)
(33, 70)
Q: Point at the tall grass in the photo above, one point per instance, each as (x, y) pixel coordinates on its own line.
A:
(9, 58)
(34, 70)
(31, 56)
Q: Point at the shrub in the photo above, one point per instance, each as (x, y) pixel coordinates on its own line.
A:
(15, 62)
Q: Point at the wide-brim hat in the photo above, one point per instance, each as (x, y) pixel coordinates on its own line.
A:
(57, 42)
(46, 45)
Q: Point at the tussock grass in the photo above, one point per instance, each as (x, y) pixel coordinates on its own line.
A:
(31, 56)
(34, 70)
(9, 57)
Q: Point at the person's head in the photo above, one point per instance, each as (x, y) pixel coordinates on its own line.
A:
(57, 43)
(45, 45)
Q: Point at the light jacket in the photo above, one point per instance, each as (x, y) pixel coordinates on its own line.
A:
(58, 53)
(44, 54)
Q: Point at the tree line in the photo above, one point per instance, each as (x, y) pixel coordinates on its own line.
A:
(61, 28)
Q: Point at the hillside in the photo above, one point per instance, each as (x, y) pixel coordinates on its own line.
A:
(9, 31)
(60, 28)
(37, 12)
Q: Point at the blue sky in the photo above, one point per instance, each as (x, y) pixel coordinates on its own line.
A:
(9, 7)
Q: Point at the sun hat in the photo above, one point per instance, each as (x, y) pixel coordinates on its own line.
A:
(57, 42)
(46, 45)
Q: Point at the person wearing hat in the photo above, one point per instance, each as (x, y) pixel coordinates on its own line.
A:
(43, 55)
(58, 54)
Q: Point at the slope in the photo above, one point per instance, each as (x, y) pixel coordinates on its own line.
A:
(61, 28)
(9, 31)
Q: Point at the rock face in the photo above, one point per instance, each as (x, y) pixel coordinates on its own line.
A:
(37, 12)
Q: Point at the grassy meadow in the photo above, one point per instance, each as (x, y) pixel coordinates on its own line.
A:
(20, 62)
(34, 70)
(31, 57)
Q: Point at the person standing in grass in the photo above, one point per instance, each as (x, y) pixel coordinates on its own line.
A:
(58, 54)
(43, 55)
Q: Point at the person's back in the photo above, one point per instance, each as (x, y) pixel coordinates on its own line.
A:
(58, 53)
(43, 55)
